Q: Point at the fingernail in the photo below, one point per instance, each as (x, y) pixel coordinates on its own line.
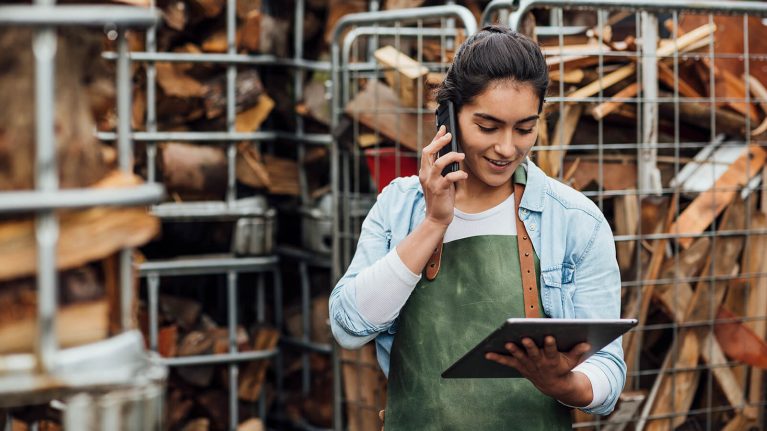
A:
(488, 356)
(510, 346)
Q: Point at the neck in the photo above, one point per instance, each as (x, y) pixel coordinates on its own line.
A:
(473, 195)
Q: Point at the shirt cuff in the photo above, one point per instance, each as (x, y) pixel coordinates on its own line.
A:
(600, 385)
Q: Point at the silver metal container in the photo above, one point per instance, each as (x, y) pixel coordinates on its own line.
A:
(254, 234)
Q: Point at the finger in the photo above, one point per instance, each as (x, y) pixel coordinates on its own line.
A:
(532, 350)
(576, 353)
(435, 145)
(508, 361)
(454, 177)
(516, 351)
(451, 157)
(550, 348)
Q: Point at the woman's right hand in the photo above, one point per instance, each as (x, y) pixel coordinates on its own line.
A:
(439, 191)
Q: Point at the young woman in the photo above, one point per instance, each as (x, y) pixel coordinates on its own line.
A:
(497, 83)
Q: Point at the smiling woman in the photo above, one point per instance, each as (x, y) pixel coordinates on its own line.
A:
(495, 239)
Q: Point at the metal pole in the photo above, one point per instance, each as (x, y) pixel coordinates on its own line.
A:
(46, 179)
(649, 175)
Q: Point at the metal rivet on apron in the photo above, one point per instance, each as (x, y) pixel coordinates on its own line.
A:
(527, 254)
(432, 265)
(524, 237)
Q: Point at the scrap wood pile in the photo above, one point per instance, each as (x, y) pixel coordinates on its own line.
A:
(697, 285)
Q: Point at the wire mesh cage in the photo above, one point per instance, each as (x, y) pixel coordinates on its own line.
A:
(656, 112)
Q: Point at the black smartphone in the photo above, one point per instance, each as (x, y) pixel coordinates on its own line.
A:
(446, 117)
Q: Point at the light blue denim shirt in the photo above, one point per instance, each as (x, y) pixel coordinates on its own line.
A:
(579, 272)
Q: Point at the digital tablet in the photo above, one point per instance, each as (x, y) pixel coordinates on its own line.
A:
(568, 333)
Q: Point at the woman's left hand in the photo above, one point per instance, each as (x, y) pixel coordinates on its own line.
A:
(549, 369)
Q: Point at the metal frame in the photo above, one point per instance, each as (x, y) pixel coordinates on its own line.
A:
(228, 209)
(347, 199)
(51, 371)
(647, 156)
(646, 147)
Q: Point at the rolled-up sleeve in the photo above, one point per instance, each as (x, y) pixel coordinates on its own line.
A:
(350, 329)
(598, 296)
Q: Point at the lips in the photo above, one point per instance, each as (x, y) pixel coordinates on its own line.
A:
(498, 164)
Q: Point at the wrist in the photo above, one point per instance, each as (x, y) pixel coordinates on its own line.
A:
(575, 390)
(434, 225)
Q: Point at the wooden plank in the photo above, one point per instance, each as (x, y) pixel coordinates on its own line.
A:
(676, 391)
(378, 108)
(615, 176)
(630, 340)
(364, 388)
(629, 403)
(626, 71)
(758, 91)
(405, 75)
(626, 223)
(757, 298)
(708, 205)
(563, 135)
(569, 77)
(666, 75)
(605, 108)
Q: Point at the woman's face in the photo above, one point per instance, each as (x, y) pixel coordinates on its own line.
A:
(497, 130)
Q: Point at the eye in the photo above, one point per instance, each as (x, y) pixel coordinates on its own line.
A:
(525, 131)
(486, 129)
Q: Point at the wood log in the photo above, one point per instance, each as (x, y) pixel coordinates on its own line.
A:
(175, 14)
(199, 424)
(179, 407)
(180, 311)
(193, 171)
(176, 83)
(402, 4)
(336, 10)
(250, 167)
(250, 32)
(251, 119)
(629, 403)
(208, 8)
(248, 88)
(403, 74)
(79, 161)
(215, 403)
(216, 42)
(274, 36)
(707, 206)
(77, 324)
(167, 340)
(364, 388)
(245, 7)
(377, 107)
(739, 342)
(252, 424)
(252, 377)
(84, 236)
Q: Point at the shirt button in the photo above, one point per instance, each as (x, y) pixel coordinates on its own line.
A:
(532, 226)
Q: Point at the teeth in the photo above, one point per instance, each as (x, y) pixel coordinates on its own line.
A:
(498, 163)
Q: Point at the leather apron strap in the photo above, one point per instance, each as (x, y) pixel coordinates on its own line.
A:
(526, 262)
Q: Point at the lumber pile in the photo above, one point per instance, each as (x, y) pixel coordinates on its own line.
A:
(698, 285)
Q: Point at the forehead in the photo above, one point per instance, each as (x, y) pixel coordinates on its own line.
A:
(506, 100)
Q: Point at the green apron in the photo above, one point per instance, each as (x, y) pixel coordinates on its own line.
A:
(478, 287)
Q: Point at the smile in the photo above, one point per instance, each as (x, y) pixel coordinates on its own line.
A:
(499, 163)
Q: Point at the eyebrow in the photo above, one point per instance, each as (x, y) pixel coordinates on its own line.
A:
(499, 121)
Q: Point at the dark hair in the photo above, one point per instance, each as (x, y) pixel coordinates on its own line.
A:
(494, 53)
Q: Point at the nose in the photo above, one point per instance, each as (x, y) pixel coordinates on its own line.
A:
(505, 145)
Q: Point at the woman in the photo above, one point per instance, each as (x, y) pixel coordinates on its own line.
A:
(497, 84)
